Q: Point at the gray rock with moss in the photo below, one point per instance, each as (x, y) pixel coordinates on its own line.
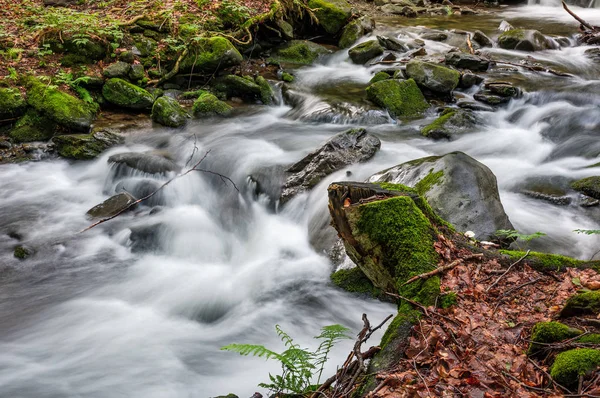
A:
(63, 108)
(210, 55)
(355, 30)
(349, 147)
(332, 14)
(267, 96)
(12, 103)
(150, 163)
(168, 112)
(124, 94)
(467, 61)
(85, 146)
(406, 10)
(400, 98)
(118, 69)
(364, 52)
(112, 206)
(379, 76)
(482, 39)
(300, 52)
(589, 186)
(208, 105)
(238, 86)
(525, 40)
(437, 78)
(460, 189)
(33, 126)
(450, 123)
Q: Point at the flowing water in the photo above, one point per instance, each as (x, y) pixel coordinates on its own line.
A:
(139, 306)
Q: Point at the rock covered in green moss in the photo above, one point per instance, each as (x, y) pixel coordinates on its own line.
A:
(33, 127)
(587, 303)
(589, 186)
(112, 206)
(286, 29)
(168, 112)
(85, 146)
(136, 73)
(548, 261)
(353, 280)
(593, 338)
(363, 52)
(355, 30)
(449, 123)
(346, 148)
(210, 55)
(124, 94)
(238, 86)
(569, 365)
(144, 47)
(118, 69)
(208, 105)
(63, 108)
(467, 61)
(287, 77)
(332, 14)
(550, 332)
(525, 40)
(437, 78)
(400, 98)
(379, 76)
(87, 47)
(460, 189)
(12, 103)
(22, 252)
(300, 52)
(267, 96)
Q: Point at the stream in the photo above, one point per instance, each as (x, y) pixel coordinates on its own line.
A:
(100, 314)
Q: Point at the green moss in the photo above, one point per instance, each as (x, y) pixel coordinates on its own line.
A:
(549, 332)
(379, 76)
(397, 325)
(569, 365)
(511, 38)
(332, 14)
(593, 338)
(447, 300)
(208, 105)
(266, 92)
(21, 252)
(429, 181)
(33, 127)
(193, 94)
(286, 77)
(586, 303)
(433, 128)
(400, 98)
(547, 261)
(355, 281)
(435, 77)
(238, 86)
(84, 146)
(168, 112)
(589, 186)
(363, 52)
(396, 187)
(12, 103)
(122, 93)
(351, 33)
(301, 52)
(210, 55)
(61, 107)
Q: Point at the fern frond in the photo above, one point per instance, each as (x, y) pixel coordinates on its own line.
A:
(285, 338)
(331, 335)
(252, 349)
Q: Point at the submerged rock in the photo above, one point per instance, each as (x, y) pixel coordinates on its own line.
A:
(112, 206)
(450, 123)
(434, 77)
(352, 146)
(364, 52)
(85, 146)
(145, 162)
(460, 189)
(332, 14)
(525, 40)
(400, 98)
(168, 112)
(122, 93)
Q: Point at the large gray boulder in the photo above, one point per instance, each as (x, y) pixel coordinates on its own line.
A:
(525, 40)
(352, 146)
(460, 189)
(434, 77)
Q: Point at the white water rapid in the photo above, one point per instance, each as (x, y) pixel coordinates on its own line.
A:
(139, 306)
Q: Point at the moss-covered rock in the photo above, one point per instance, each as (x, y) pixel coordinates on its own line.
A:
(434, 77)
(63, 108)
(524, 40)
(549, 332)
(300, 52)
(168, 112)
(400, 98)
(589, 186)
(287, 77)
(363, 52)
(21, 252)
(354, 280)
(449, 123)
(33, 127)
(85, 146)
(136, 73)
(332, 14)
(569, 365)
(210, 55)
(267, 96)
(355, 30)
(118, 69)
(587, 303)
(124, 94)
(379, 76)
(593, 338)
(238, 86)
(144, 46)
(548, 261)
(208, 105)
(12, 103)
(93, 49)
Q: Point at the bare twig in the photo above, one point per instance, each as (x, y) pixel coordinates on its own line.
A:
(581, 21)
(442, 269)
(507, 271)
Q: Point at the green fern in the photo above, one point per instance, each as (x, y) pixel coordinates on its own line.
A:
(587, 231)
(299, 365)
(517, 236)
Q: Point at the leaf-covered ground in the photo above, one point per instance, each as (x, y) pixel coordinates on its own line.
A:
(477, 347)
